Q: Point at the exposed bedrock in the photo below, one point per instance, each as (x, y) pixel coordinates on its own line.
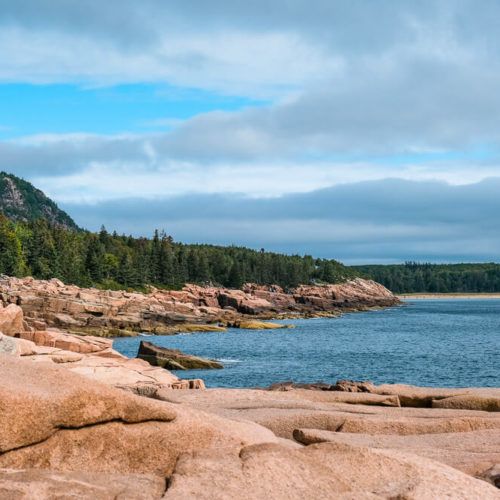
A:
(54, 304)
(86, 355)
(79, 420)
(63, 437)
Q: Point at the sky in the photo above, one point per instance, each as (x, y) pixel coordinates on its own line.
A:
(350, 129)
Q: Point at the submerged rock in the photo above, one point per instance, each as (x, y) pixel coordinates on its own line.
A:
(173, 359)
(258, 325)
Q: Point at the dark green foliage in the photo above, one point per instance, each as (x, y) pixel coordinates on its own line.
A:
(45, 250)
(413, 277)
(11, 259)
(21, 201)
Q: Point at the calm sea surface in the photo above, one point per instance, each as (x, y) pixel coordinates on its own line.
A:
(425, 342)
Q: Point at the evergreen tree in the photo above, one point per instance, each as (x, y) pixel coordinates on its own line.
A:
(235, 278)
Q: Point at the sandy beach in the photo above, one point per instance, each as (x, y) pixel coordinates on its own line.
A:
(465, 296)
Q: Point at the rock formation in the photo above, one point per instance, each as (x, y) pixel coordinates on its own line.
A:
(173, 359)
(328, 470)
(90, 356)
(79, 420)
(51, 304)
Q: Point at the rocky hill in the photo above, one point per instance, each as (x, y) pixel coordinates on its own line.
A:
(21, 201)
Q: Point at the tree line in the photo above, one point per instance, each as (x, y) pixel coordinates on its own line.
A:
(44, 250)
(413, 277)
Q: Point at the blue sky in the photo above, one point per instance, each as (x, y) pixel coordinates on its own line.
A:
(363, 131)
(30, 109)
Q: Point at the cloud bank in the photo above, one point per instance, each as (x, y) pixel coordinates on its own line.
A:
(378, 221)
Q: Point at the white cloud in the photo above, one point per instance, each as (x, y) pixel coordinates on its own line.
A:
(242, 63)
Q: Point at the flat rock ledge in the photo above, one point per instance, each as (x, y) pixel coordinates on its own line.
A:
(62, 436)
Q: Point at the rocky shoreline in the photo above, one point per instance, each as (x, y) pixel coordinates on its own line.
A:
(79, 420)
(53, 304)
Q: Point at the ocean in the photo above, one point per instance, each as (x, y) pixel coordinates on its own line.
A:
(442, 343)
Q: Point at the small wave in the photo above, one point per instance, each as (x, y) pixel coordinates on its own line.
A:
(228, 360)
(145, 335)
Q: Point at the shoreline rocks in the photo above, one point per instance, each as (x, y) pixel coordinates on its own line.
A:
(78, 419)
(92, 357)
(61, 436)
(51, 304)
(173, 359)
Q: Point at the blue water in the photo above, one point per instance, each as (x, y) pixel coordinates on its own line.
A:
(425, 342)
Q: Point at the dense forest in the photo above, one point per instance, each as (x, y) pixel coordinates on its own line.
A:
(44, 250)
(413, 277)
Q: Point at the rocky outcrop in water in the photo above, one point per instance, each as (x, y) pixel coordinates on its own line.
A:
(173, 359)
(52, 304)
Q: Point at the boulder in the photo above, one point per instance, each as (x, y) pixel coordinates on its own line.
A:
(11, 320)
(38, 399)
(340, 386)
(353, 386)
(16, 347)
(66, 357)
(173, 359)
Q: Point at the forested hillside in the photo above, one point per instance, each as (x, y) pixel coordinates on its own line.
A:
(413, 277)
(44, 250)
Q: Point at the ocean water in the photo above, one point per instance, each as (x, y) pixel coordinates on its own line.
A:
(447, 343)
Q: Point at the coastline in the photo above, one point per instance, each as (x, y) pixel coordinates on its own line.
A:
(93, 423)
(105, 313)
(436, 296)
